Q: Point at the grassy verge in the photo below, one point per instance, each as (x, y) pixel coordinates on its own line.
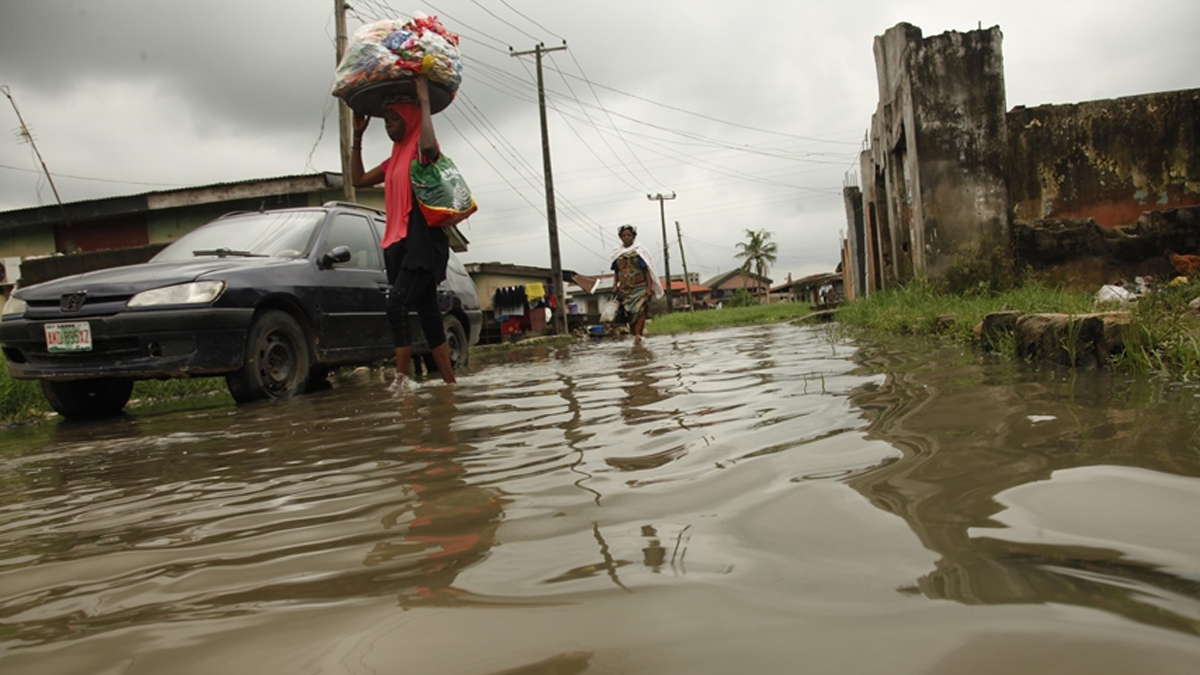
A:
(683, 322)
(917, 309)
(1163, 336)
(22, 401)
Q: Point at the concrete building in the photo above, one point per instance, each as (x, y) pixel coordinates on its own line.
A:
(494, 276)
(933, 186)
(953, 185)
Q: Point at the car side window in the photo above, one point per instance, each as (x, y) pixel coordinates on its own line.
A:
(355, 233)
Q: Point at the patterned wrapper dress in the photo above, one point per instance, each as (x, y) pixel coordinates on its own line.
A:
(631, 270)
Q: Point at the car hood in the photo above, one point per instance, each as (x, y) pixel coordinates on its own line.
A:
(131, 279)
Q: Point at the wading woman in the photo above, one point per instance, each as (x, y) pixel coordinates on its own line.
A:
(636, 281)
(415, 254)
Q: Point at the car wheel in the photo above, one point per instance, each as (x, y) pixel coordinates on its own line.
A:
(80, 399)
(276, 360)
(456, 340)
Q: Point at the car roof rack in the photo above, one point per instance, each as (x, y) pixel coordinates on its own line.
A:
(354, 205)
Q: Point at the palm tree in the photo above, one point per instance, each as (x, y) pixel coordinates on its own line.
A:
(758, 251)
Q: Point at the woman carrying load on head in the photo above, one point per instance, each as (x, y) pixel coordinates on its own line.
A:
(636, 281)
(415, 253)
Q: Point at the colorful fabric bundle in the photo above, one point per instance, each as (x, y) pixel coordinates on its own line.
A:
(389, 50)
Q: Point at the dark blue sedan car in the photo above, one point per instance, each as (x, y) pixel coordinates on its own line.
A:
(271, 301)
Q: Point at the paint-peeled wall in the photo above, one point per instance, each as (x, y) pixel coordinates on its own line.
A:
(1108, 160)
(959, 108)
(938, 151)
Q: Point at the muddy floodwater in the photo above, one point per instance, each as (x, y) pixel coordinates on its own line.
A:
(750, 500)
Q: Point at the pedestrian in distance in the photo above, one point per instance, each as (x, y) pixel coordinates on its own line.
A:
(636, 281)
(415, 253)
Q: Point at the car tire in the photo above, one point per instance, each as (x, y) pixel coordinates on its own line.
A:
(277, 360)
(82, 399)
(456, 340)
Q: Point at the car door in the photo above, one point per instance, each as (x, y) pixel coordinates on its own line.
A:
(352, 295)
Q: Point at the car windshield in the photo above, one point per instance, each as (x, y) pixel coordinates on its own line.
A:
(284, 234)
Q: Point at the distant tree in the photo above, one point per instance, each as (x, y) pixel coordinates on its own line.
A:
(741, 298)
(758, 252)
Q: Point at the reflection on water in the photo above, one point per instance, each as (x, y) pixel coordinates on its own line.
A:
(973, 436)
(765, 498)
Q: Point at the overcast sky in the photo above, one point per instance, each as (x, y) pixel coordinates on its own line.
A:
(753, 117)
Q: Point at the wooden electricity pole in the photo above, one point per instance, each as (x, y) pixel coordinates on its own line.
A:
(687, 280)
(662, 212)
(560, 310)
(345, 124)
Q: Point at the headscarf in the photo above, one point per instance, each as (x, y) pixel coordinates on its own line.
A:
(639, 249)
(397, 185)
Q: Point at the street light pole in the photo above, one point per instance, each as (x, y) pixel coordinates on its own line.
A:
(662, 212)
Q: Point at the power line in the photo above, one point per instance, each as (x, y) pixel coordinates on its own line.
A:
(719, 120)
(610, 149)
(92, 178)
(611, 122)
(506, 23)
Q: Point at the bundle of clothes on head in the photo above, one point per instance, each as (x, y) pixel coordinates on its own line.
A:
(389, 50)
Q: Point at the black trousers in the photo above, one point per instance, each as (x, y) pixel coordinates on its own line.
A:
(412, 289)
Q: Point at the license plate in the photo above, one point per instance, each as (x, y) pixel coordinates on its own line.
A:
(68, 337)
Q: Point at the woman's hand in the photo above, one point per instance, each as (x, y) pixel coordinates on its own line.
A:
(361, 122)
(421, 84)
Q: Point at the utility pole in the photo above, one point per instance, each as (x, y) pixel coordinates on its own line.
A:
(560, 313)
(345, 124)
(26, 136)
(662, 212)
(687, 280)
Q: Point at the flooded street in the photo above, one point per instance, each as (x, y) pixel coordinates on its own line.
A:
(764, 500)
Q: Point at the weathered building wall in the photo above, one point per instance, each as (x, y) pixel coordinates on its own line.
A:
(1081, 253)
(875, 226)
(1083, 194)
(936, 168)
(854, 254)
(26, 241)
(892, 150)
(1107, 160)
(961, 144)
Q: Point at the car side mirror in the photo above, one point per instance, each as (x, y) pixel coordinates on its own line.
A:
(339, 254)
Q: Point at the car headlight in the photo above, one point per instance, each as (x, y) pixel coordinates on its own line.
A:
(195, 293)
(14, 307)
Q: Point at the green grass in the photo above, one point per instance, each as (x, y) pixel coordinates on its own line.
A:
(683, 322)
(917, 309)
(162, 390)
(21, 401)
(1163, 337)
